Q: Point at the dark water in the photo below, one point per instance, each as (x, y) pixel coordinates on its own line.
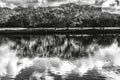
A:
(25, 74)
(91, 75)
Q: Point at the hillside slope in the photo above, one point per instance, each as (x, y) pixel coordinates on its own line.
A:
(66, 15)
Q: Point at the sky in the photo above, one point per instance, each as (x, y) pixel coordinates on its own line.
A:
(43, 3)
(36, 3)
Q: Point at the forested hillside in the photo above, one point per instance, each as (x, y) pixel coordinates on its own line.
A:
(65, 15)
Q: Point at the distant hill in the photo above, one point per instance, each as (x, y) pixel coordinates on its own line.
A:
(65, 15)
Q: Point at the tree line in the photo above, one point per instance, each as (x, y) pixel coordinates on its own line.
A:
(65, 15)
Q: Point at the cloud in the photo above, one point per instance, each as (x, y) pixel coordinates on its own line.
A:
(36, 3)
(109, 3)
(43, 3)
(15, 3)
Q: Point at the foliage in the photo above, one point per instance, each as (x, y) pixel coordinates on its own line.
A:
(65, 15)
